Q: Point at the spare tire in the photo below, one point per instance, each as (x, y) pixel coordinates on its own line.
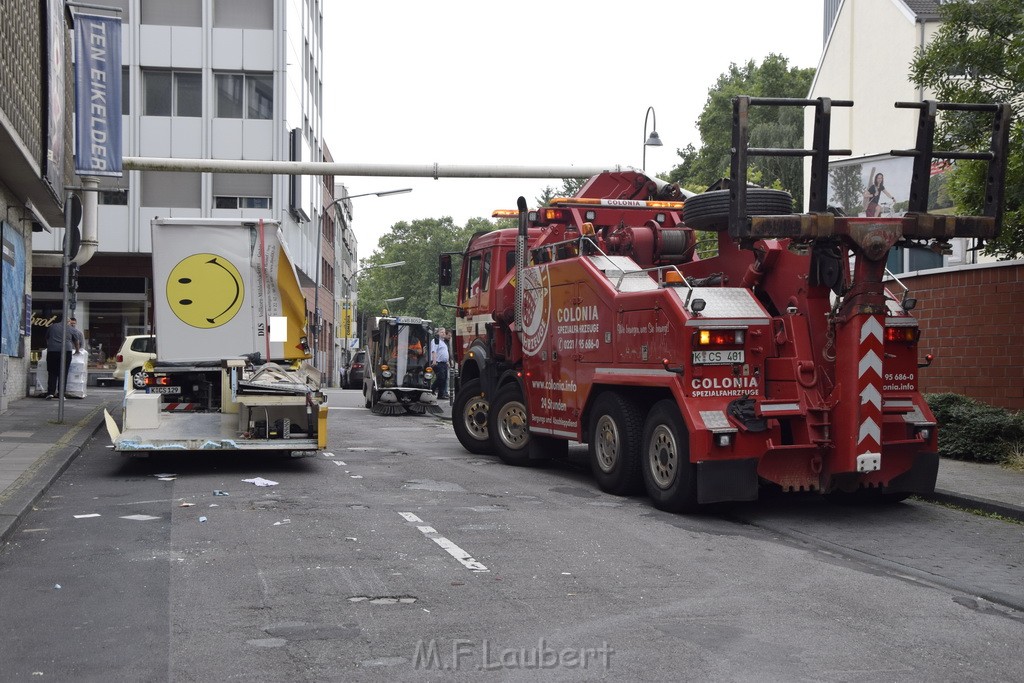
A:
(710, 210)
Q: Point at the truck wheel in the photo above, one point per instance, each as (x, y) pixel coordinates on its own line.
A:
(710, 210)
(615, 434)
(669, 476)
(366, 399)
(508, 424)
(469, 418)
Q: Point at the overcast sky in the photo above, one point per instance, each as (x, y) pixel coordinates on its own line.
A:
(552, 83)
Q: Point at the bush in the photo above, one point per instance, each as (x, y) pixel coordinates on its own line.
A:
(972, 430)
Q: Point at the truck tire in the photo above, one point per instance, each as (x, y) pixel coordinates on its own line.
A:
(669, 477)
(616, 430)
(469, 418)
(367, 403)
(710, 210)
(508, 425)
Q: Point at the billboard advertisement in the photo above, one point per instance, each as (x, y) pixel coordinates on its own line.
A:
(223, 289)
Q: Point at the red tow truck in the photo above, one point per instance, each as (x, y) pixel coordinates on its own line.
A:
(784, 360)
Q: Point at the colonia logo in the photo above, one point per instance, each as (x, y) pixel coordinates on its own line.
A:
(536, 308)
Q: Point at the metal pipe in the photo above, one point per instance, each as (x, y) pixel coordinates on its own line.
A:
(90, 241)
(339, 169)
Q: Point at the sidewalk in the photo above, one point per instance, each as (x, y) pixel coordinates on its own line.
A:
(35, 450)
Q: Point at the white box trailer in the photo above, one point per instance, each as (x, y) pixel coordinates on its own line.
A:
(230, 325)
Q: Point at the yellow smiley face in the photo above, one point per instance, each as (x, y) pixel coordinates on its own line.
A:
(205, 290)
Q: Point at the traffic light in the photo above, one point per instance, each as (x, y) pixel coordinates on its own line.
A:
(71, 281)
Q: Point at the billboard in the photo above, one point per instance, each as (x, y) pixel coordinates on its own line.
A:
(225, 288)
(879, 185)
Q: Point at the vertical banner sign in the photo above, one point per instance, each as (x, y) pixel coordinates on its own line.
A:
(55, 106)
(97, 95)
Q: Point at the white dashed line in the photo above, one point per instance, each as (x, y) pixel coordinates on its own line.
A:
(464, 558)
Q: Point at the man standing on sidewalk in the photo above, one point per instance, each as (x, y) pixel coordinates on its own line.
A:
(439, 361)
(54, 339)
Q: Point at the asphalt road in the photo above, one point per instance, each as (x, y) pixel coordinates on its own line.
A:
(396, 555)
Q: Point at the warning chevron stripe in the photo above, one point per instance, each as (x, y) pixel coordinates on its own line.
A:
(180, 407)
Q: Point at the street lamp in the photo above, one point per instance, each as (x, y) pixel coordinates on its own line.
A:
(319, 241)
(348, 302)
(653, 140)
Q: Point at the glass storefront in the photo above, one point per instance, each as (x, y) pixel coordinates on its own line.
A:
(108, 309)
(105, 324)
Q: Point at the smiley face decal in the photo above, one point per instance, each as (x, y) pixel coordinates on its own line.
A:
(205, 290)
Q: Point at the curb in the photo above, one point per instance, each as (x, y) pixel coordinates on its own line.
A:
(35, 482)
(963, 500)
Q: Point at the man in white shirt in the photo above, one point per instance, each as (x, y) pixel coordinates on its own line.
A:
(439, 361)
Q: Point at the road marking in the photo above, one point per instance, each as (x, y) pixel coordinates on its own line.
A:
(464, 558)
(140, 518)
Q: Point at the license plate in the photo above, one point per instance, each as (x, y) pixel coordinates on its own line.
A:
(164, 390)
(717, 357)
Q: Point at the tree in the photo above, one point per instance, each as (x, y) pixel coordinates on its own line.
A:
(977, 55)
(769, 127)
(570, 186)
(419, 244)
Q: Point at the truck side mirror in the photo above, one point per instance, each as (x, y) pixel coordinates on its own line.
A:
(444, 270)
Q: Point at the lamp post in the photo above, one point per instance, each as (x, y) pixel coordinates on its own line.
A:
(394, 300)
(319, 241)
(653, 140)
(349, 281)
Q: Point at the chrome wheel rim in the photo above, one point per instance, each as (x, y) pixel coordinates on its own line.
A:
(512, 425)
(663, 457)
(606, 444)
(474, 417)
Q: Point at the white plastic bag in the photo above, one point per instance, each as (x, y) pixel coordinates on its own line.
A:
(78, 375)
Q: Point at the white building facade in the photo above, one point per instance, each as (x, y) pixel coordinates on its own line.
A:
(205, 79)
(868, 48)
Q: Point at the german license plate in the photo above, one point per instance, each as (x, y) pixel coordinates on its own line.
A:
(717, 357)
(165, 390)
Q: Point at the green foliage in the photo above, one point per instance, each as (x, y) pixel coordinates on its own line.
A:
(418, 244)
(570, 186)
(977, 55)
(972, 430)
(769, 127)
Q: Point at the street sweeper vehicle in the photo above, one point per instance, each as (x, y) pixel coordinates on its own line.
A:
(230, 325)
(786, 359)
(399, 378)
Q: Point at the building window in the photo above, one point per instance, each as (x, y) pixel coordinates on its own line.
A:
(171, 189)
(248, 96)
(221, 202)
(243, 14)
(326, 275)
(177, 13)
(173, 93)
(125, 90)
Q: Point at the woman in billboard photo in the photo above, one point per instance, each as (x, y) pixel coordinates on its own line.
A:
(873, 194)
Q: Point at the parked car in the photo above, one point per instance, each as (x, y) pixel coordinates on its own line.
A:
(354, 371)
(134, 352)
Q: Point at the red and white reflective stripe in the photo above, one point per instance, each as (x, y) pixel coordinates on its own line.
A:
(869, 383)
(180, 407)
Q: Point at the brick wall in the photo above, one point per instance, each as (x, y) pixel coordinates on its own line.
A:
(972, 320)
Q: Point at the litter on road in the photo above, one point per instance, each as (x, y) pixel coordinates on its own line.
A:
(260, 481)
